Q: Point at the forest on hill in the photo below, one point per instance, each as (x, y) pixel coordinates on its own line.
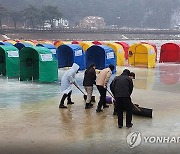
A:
(124, 13)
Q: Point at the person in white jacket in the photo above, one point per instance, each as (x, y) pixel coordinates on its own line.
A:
(66, 85)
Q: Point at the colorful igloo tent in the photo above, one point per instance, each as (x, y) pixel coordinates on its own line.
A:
(6, 43)
(125, 47)
(34, 41)
(69, 54)
(9, 61)
(11, 41)
(38, 63)
(154, 46)
(101, 55)
(170, 52)
(45, 42)
(75, 42)
(85, 45)
(22, 45)
(51, 47)
(59, 43)
(142, 55)
(30, 42)
(97, 42)
(119, 51)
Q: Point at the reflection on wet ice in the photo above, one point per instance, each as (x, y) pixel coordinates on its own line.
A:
(169, 73)
(29, 111)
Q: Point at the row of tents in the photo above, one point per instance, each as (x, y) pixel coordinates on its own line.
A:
(85, 53)
(29, 63)
(103, 54)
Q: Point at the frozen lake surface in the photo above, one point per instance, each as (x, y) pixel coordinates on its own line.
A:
(31, 122)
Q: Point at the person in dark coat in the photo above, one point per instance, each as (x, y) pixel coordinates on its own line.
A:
(122, 87)
(132, 76)
(89, 80)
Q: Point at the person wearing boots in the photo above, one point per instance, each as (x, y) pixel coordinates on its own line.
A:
(89, 80)
(101, 82)
(122, 87)
(66, 85)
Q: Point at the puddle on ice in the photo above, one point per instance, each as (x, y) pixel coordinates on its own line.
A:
(165, 77)
(29, 112)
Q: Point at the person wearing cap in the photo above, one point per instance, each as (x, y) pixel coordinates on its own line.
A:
(122, 87)
(101, 82)
(132, 76)
(66, 85)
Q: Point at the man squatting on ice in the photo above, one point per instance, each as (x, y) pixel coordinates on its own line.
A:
(89, 80)
(122, 87)
(66, 85)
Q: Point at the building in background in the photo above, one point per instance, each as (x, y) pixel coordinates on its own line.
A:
(92, 22)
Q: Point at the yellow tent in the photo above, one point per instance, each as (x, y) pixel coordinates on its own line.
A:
(45, 42)
(30, 42)
(142, 55)
(119, 51)
(85, 45)
(59, 43)
(11, 41)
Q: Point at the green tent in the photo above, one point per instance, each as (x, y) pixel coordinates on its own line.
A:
(39, 64)
(9, 61)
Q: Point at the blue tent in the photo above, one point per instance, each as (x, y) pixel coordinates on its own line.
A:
(50, 47)
(101, 55)
(22, 45)
(6, 43)
(68, 54)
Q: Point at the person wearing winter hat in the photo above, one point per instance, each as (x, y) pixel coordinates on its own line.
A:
(122, 87)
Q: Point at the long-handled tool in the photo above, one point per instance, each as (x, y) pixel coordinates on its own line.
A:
(85, 96)
(139, 111)
(114, 98)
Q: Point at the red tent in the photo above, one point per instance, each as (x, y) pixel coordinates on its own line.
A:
(170, 52)
(75, 42)
(17, 40)
(97, 42)
(125, 47)
(56, 42)
(154, 46)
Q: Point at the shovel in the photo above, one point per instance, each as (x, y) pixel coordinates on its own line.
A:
(85, 96)
(136, 107)
(139, 111)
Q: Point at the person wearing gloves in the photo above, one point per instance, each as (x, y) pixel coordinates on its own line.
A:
(66, 85)
(101, 82)
(89, 80)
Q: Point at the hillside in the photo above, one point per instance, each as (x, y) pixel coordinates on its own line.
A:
(124, 13)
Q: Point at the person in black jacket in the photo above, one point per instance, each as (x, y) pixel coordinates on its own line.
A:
(122, 87)
(132, 76)
(89, 80)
